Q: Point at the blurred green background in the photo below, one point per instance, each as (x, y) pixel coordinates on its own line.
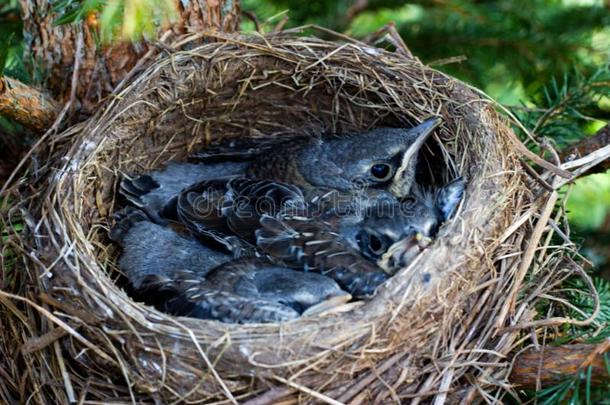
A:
(511, 47)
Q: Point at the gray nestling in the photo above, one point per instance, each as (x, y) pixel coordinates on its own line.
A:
(252, 291)
(153, 251)
(390, 233)
(262, 213)
(422, 214)
(341, 162)
(200, 282)
(353, 161)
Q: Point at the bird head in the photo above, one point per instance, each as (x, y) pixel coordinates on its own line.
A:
(392, 234)
(397, 236)
(369, 159)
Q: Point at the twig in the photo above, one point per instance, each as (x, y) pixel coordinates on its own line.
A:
(61, 324)
(530, 170)
(370, 377)
(281, 24)
(527, 258)
(390, 33)
(448, 61)
(583, 165)
(64, 373)
(252, 17)
(78, 54)
(308, 391)
(40, 342)
(356, 9)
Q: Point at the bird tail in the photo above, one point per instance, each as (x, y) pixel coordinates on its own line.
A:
(224, 306)
(125, 220)
(187, 293)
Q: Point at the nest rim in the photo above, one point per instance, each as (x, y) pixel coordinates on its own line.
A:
(382, 295)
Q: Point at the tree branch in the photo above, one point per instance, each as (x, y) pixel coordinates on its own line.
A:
(588, 145)
(554, 363)
(26, 105)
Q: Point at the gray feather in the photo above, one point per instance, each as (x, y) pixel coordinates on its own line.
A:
(152, 250)
(249, 291)
(450, 195)
(153, 191)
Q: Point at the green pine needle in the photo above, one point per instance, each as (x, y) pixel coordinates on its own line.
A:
(565, 106)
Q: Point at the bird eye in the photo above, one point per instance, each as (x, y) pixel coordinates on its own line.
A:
(376, 245)
(370, 245)
(381, 171)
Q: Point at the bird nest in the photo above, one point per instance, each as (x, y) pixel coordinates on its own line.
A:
(443, 328)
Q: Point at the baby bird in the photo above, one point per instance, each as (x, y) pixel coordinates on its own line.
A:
(154, 251)
(237, 209)
(349, 237)
(369, 159)
(395, 239)
(355, 161)
(253, 291)
(390, 233)
(183, 277)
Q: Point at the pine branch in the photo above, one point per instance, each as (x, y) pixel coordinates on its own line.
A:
(565, 105)
(26, 105)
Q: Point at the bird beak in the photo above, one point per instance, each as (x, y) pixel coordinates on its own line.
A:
(400, 184)
(423, 241)
(329, 305)
(421, 133)
(402, 253)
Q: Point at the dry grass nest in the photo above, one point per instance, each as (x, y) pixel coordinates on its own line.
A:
(442, 329)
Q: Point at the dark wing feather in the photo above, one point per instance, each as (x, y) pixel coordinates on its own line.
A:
(308, 243)
(199, 207)
(242, 149)
(248, 199)
(217, 299)
(125, 220)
